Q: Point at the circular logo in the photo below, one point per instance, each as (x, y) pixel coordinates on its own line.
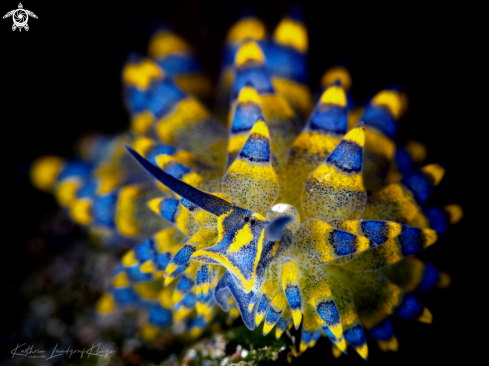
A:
(20, 17)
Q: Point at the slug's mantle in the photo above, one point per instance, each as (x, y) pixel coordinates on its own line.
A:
(298, 209)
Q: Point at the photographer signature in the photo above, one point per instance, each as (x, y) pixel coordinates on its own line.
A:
(31, 352)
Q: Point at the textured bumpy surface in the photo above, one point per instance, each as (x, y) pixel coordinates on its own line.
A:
(283, 208)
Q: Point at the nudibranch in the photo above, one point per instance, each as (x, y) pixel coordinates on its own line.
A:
(283, 208)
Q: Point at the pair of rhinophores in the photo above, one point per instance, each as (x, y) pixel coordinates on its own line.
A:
(292, 211)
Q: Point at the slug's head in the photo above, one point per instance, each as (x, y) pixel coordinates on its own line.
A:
(241, 233)
(241, 236)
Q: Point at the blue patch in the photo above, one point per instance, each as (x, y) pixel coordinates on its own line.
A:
(381, 119)
(183, 255)
(328, 311)
(438, 219)
(329, 333)
(162, 96)
(157, 150)
(285, 62)
(329, 119)
(162, 260)
(87, 190)
(420, 185)
(168, 208)
(197, 322)
(343, 243)
(254, 75)
(125, 296)
(159, 316)
(355, 336)
(245, 117)
(228, 285)
(404, 161)
(431, 276)
(306, 336)
(282, 323)
(410, 240)
(263, 305)
(187, 204)
(135, 275)
(189, 300)
(256, 149)
(176, 170)
(103, 210)
(410, 307)
(376, 231)
(293, 297)
(136, 99)
(382, 331)
(185, 284)
(145, 251)
(74, 168)
(175, 64)
(273, 316)
(347, 156)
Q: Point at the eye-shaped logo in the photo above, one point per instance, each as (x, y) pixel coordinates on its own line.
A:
(20, 17)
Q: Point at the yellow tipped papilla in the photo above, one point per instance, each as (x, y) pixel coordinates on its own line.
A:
(105, 304)
(44, 171)
(80, 211)
(292, 33)
(335, 189)
(164, 43)
(247, 28)
(251, 181)
(334, 95)
(141, 74)
(141, 123)
(335, 73)
(394, 100)
(247, 52)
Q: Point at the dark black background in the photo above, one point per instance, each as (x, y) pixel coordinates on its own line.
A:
(62, 78)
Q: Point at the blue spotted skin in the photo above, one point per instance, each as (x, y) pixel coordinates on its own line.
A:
(243, 260)
(329, 313)
(347, 157)
(343, 243)
(243, 300)
(273, 316)
(257, 150)
(181, 260)
(245, 116)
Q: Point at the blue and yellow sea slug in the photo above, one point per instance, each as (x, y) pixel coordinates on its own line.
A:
(283, 211)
